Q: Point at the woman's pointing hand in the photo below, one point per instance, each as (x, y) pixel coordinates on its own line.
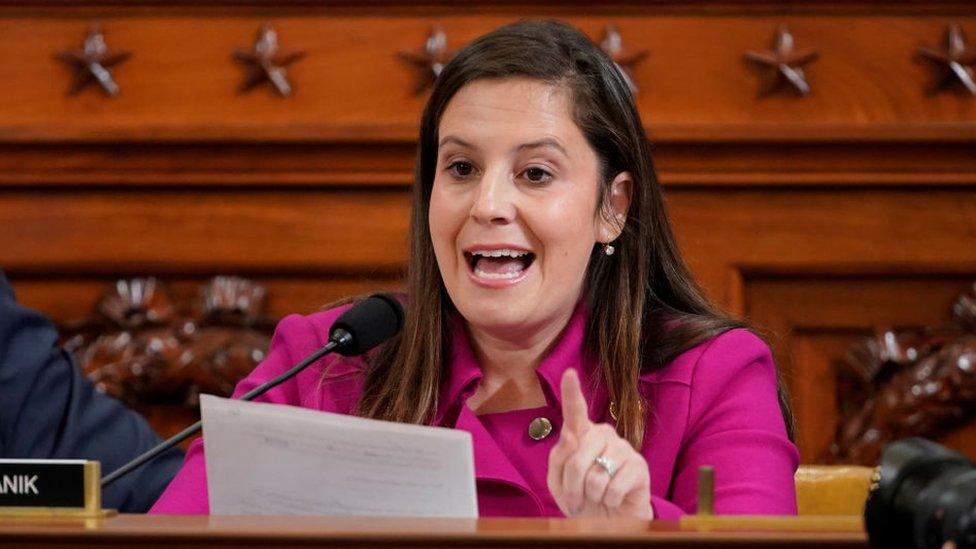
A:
(592, 470)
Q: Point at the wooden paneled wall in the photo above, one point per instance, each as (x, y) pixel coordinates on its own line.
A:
(820, 218)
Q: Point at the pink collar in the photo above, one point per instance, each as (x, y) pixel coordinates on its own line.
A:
(463, 371)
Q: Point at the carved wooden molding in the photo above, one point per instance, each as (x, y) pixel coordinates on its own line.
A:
(93, 63)
(907, 383)
(143, 348)
(783, 64)
(265, 63)
(390, 165)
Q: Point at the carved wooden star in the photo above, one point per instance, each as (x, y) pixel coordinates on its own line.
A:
(431, 59)
(265, 63)
(954, 61)
(92, 63)
(783, 64)
(613, 45)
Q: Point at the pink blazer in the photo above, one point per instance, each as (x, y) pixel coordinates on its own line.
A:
(715, 404)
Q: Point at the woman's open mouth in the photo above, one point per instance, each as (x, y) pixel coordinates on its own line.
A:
(499, 265)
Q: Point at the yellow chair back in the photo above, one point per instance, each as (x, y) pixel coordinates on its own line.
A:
(832, 489)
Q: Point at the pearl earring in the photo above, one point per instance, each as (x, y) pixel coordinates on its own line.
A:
(608, 249)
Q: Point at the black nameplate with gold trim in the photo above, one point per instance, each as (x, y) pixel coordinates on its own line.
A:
(50, 487)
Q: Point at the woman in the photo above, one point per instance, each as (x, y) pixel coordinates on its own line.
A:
(542, 256)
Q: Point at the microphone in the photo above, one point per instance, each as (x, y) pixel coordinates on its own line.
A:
(371, 322)
(367, 324)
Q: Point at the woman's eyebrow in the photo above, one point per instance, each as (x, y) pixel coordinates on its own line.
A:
(541, 143)
(547, 142)
(456, 140)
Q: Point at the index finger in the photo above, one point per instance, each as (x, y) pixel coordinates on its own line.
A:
(575, 415)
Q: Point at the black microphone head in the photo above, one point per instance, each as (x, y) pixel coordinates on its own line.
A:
(370, 322)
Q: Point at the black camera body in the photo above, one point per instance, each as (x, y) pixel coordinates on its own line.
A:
(923, 495)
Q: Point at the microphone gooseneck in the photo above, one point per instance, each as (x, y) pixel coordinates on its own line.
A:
(367, 324)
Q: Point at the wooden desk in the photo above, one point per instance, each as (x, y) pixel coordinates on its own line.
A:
(210, 532)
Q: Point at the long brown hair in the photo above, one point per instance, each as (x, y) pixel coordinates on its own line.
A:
(645, 307)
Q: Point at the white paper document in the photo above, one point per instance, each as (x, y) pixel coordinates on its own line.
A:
(269, 459)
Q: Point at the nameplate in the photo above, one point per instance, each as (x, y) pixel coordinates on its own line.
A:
(38, 487)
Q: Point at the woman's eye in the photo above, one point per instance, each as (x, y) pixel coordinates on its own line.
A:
(460, 169)
(537, 175)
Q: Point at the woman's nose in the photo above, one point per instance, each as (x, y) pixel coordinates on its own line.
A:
(494, 202)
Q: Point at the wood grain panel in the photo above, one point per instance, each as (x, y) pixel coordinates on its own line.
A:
(209, 164)
(723, 231)
(813, 379)
(180, 83)
(202, 231)
(324, 232)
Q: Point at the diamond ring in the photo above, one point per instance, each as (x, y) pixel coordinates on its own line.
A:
(607, 464)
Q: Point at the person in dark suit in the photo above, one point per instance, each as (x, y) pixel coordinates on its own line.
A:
(50, 410)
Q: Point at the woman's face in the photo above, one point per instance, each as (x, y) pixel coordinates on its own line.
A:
(513, 211)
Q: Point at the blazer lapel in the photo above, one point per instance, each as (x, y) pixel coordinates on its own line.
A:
(490, 463)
